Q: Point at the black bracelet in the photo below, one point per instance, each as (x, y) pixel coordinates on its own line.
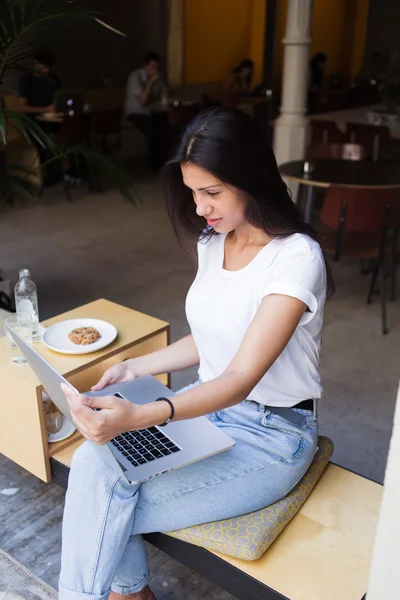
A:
(172, 411)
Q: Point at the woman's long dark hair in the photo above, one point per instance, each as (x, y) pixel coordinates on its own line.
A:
(228, 144)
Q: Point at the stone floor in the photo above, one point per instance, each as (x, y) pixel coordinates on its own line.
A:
(102, 247)
(18, 583)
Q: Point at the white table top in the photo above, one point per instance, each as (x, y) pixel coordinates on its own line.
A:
(355, 115)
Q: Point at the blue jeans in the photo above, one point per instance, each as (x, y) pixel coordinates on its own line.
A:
(102, 545)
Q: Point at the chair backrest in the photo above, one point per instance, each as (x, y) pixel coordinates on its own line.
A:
(209, 102)
(343, 151)
(324, 132)
(107, 98)
(75, 130)
(181, 114)
(365, 208)
(106, 122)
(374, 138)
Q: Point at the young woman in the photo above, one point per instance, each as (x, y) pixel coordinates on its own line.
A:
(255, 312)
(238, 82)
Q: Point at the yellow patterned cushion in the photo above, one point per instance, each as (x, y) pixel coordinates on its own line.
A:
(247, 537)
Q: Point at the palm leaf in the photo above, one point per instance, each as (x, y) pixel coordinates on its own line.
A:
(17, 16)
(4, 39)
(3, 126)
(28, 8)
(21, 25)
(6, 20)
(106, 172)
(30, 129)
(19, 29)
(15, 179)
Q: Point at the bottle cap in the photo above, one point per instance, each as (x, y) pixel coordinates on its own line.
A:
(24, 273)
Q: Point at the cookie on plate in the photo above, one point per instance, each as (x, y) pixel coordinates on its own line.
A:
(83, 336)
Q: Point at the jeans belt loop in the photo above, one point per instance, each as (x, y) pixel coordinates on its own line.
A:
(315, 410)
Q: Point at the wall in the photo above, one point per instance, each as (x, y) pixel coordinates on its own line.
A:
(383, 28)
(338, 29)
(85, 65)
(219, 34)
(84, 62)
(360, 36)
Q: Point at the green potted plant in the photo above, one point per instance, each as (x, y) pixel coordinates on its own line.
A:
(22, 25)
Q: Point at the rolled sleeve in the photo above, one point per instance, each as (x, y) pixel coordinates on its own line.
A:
(300, 275)
(285, 288)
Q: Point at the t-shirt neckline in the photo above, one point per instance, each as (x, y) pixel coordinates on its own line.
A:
(238, 272)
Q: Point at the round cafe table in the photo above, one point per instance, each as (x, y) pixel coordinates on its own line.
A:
(50, 118)
(349, 173)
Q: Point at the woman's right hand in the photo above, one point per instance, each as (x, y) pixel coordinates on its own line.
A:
(115, 374)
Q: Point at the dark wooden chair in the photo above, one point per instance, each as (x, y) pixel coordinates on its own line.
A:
(375, 139)
(181, 114)
(362, 224)
(325, 132)
(179, 118)
(209, 102)
(74, 131)
(106, 129)
(338, 151)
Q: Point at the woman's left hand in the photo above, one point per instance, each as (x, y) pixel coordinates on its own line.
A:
(116, 416)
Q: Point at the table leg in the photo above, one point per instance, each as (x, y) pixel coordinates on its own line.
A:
(310, 203)
(299, 197)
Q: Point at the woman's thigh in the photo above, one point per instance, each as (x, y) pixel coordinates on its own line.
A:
(269, 457)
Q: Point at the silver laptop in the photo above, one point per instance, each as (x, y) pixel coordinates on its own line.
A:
(69, 101)
(137, 455)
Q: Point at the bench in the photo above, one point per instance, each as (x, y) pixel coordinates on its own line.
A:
(322, 541)
(324, 528)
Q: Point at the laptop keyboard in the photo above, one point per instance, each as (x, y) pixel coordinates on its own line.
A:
(145, 445)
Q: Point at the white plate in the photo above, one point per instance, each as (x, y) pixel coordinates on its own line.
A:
(56, 337)
(66, 430)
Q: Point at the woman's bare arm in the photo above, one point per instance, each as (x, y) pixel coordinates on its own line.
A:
(266, 337)
(179, 355)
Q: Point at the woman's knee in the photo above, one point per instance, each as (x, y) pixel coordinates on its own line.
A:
(86, 457)
(84, 454)
(90, 469)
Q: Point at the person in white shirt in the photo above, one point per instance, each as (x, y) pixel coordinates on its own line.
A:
(255, 311)
(144, 91)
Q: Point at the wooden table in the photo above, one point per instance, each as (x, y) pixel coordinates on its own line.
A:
(51, 118)
(360, 174)
(23, 436)
(356, 115)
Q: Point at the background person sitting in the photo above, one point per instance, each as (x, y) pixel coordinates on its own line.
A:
(238, 82)
(238, 87)
(316, 80)
(144, 92)
(317, 70)
(37, 88)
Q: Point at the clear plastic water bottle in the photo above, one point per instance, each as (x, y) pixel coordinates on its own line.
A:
(26, 300)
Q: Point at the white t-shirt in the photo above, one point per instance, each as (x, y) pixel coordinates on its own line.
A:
(221, 304)
(136, 83)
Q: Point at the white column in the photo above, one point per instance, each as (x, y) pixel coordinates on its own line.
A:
(384, 581)
(291, 126)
